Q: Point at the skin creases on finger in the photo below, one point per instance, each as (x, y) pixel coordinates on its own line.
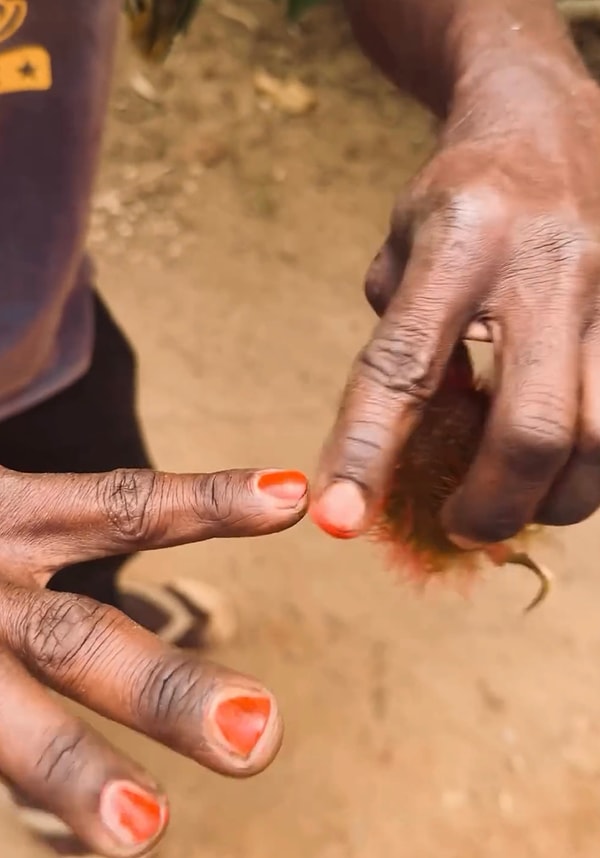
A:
(393, 379)
(70, 518)
(575, 494)
(529, 432)
(110, 804)
(96, 656)
(344, 498)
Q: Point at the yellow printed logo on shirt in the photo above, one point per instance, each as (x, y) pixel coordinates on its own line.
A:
(27, 68)
(12, 16)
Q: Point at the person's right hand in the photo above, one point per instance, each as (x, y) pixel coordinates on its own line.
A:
(96, 656)
(497, 237)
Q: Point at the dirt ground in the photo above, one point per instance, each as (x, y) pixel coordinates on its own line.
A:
(232, 239)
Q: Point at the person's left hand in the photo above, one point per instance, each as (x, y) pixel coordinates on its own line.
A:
(98, 657)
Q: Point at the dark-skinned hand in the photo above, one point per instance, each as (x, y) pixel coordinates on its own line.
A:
(96, 656)
(498, 237)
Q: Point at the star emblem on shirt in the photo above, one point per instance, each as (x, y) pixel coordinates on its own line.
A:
(27, 70)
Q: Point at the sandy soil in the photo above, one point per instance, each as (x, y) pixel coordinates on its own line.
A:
(232, 240)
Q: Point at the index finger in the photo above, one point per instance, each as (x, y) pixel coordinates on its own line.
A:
(61, 519)
(392, 379)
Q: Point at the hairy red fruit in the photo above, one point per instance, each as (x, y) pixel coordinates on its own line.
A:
(433, 464)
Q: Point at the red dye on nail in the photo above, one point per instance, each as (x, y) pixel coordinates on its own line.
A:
(134, 815)
(242, 721)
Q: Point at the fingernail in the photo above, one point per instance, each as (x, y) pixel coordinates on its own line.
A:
(465, 544)
(131, 814)
(284, 485)
(340, 511)
(242, 721)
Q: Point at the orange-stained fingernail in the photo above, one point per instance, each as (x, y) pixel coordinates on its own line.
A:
(284, 485)
(340, 511)
(133, 815)
(242, 721)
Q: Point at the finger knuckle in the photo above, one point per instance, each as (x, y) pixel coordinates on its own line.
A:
(63, 756)
(462, 211)
(172, 690)
(127, 497)
(61, 627)
(361, 444)
(215, 498)
(534, 447)
(474, 207)
(400, 362)
(551, 238)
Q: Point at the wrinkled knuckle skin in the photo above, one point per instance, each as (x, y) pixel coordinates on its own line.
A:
(400, 364)
(171, 693)
(551, 237)
(127, 497)
(62, 760)
(471, 223)
(61, 629)
(461, 212)
(533, 450)
(361, 445)
(219, 501)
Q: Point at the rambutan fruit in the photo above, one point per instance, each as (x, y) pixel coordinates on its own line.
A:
(432, 465)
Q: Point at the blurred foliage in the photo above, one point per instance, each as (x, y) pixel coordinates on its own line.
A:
(295, 8)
